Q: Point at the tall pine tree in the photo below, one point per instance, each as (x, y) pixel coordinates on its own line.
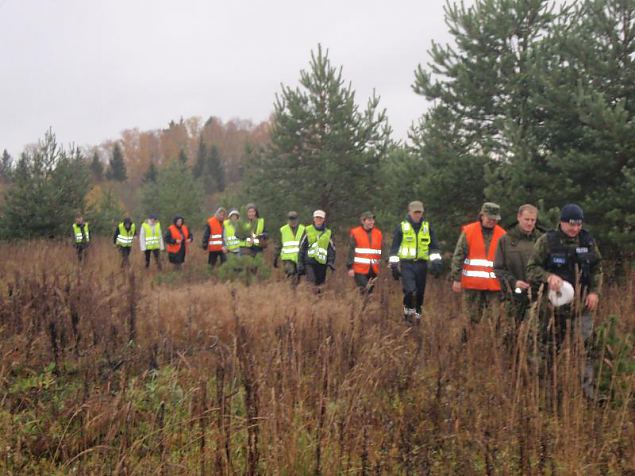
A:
(324, 152)
(117, 167)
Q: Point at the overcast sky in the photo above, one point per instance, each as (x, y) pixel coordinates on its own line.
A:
(90, 69)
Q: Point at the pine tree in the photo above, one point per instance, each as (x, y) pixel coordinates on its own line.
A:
(6, 164)
(117, 169)
(324, 152)
(215, 168)
(97, 168)
(175, 192)
(49, 187)
(151, 174)
(183, 156)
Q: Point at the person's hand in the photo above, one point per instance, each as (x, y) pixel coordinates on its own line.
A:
(555, 282)
(225, 250)
(436, 267)
(456, 286)
(178, 241)
(396, 274)
(592, 301)
(351, 273)
(521, 284)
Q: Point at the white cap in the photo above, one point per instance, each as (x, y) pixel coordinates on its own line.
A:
(319, 214)
(562, 297)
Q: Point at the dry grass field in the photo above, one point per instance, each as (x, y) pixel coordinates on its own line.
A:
(110, 372)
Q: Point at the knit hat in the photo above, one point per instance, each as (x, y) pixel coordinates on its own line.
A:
(572, 213)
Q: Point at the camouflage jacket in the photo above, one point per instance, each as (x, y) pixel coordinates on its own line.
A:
(460, 252)
(512, 254)
(537, 272)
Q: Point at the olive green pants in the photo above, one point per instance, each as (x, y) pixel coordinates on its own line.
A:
(478, 304)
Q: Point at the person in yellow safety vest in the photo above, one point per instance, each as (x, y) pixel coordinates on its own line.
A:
(364, 253)
(123, 238)
(151, 240)
(414, 249)
(232, 243)
(288, 249)
(81, 236)
(252, 232)
(317, 251)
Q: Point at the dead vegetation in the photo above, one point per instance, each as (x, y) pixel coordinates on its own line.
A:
(110, 372)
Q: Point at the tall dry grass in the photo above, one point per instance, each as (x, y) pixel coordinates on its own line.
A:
(111, 372)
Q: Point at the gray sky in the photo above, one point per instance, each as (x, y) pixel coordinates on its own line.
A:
(90, 69)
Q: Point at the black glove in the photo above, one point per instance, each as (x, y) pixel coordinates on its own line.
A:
(396, 274)
(436, 267)
(275, 262)
(331, 266)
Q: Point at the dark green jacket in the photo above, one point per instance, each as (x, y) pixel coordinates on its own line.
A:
(537, 266)
(512, 255)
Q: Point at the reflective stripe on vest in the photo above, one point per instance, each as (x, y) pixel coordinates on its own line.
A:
(367, 252)
(253, 239)
(153, 238)
(478, 267)
(232, 241)
(215, 242)
(79, 236)
(414, 246)
(184, 234)
(318, 243)
(125, 237)
(290, 242)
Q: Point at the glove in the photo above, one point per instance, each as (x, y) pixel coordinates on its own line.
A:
(275, 262)
(436, 267)
(332, 267)
(396, 274)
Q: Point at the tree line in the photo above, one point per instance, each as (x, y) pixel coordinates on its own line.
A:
(532, 101)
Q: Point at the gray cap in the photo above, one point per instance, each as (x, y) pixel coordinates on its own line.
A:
(292, 215)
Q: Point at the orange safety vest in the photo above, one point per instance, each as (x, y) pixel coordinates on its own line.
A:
(478, 267)
(176, 235)
(367, 253)
(215, 242)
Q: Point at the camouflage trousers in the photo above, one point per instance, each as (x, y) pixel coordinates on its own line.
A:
(478, 304)
(558, 324)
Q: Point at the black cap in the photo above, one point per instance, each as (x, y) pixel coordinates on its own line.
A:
(572, 213)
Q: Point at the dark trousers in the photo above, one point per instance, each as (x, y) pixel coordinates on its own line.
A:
(291, 271)
(214, 256)
(156, 258)
(364, 283)
(413, 283)
(125, 255)
(316, 273)
(81, 249)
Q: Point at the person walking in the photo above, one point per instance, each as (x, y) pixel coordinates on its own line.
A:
(230, 226)
(364, 253)
(123, 238)
(512, 255)
(288, 248)
(213, 238)
(151, 240)
(178, 238)
(414, 245)
(252, 232)
(81, 236)
(317, 251)
(473, 264)
(568, 257)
